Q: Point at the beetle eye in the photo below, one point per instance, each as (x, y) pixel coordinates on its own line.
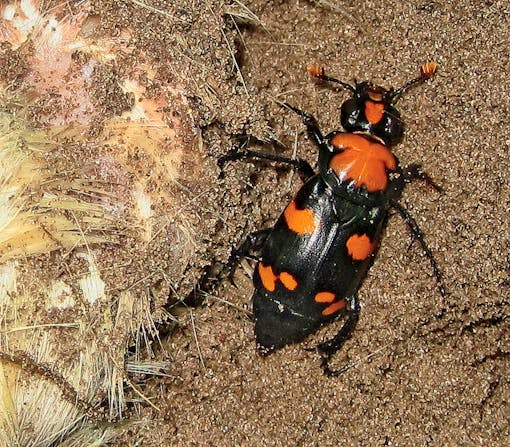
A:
(350, 114)
(393, 128)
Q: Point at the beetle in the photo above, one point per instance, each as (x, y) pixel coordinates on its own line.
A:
(314, 259)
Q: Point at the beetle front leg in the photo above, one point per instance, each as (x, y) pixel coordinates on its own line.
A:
(414, 172)
(311, 124)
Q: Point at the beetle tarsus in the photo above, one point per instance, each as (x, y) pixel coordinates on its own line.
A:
(414, 172)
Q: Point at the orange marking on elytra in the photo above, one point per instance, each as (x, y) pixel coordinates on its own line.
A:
(267, 277)
(288, 280)
(360, 247)
(334, 307)
(374, 111)
(324, 297)
(363, 161)
(299, 221)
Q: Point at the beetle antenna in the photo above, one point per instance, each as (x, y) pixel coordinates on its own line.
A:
(317, 71)
(427, 71)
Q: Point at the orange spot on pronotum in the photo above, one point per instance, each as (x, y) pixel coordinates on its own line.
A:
(299, 221)
(288, 280)
(363, 161)
(267, 277)
(334, 307)
(374, 111)
(360, 247)
(324, 297)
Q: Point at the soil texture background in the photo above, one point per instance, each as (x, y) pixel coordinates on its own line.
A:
(426, 370)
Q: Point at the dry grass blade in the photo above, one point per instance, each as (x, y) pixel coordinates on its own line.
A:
(35, 204)
(242, 14)
(155, 10)
(333, 6)
(195, 336)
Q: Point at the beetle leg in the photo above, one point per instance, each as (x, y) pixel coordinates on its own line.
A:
(240, 152)
(249, 247)
(414, 172)
(329, 347)
(213, 275)
(310, 122)
(253, 243)
(417, 234)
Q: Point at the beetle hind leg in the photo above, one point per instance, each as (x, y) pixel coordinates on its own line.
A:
(330, 347)
(249, 247)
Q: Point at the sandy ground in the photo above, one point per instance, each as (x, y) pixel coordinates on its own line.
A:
(426, 370)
